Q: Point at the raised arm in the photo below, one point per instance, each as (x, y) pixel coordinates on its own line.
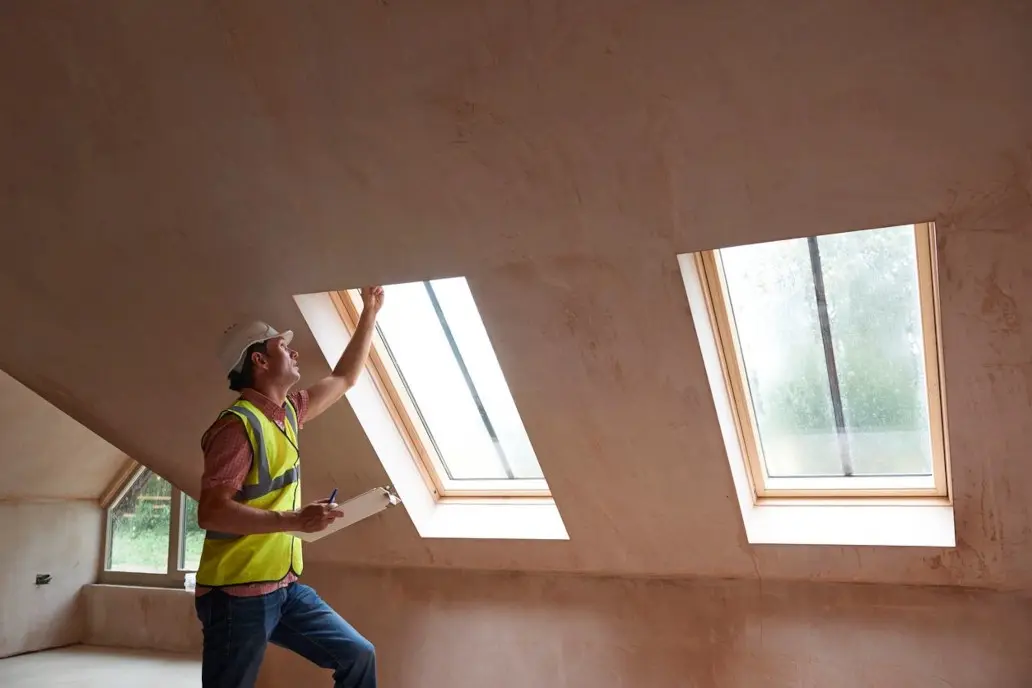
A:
(330, 389)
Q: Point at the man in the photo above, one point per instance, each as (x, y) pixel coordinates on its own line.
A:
(247, 589)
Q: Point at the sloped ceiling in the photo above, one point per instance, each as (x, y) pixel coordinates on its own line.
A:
(172, 167)
(46, 454)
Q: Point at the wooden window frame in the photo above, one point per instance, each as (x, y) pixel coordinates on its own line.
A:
(404, 412)
(175, 572)
(836, 488)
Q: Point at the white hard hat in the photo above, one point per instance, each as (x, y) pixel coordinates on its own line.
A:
(240, 336)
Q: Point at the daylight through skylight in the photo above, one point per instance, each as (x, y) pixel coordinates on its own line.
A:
(448, 379)
(832, 350)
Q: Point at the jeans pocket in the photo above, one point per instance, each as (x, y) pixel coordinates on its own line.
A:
(214, 608)
(202, 605)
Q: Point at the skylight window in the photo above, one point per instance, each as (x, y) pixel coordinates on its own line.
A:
(830, 352)
(434, 364)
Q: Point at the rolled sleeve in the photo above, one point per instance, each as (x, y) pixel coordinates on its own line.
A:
(227, 454)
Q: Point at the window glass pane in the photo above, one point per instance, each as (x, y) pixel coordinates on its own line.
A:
(139, 526)
(874, 336)
(874, 311)
(438, 342)
(193, 536)
(770, 290)
(470, 336)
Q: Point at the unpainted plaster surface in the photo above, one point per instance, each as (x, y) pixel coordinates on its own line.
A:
(453, 629)
(46, 454)
(59, 538)
(182, 165)
(444, 629)
(141, 618)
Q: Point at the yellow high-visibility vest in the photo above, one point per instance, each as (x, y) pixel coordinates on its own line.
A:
(273, 483)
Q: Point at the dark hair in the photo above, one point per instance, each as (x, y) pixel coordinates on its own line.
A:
(239, 381)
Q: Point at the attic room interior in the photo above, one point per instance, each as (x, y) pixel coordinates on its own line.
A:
(701, 358)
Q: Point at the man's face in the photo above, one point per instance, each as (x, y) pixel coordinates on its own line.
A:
(281, 361)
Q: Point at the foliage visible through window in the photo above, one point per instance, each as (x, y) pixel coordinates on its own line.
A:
(151, 520)
(139, 526)
(833, 349)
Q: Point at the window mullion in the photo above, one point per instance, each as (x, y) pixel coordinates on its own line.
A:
(175, 525)
(109, 534)
(829, 354)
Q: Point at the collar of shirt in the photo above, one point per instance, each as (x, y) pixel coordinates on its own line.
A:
(276, 414)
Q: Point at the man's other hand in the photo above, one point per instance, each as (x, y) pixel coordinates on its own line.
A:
(317, 516)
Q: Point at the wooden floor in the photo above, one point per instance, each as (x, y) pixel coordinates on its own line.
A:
(82, 665)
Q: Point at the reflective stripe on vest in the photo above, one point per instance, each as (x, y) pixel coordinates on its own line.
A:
(265, 484)
(273, 482)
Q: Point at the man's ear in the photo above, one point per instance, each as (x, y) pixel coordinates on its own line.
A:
(259, 360)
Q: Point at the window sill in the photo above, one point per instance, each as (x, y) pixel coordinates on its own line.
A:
(802, 522)
(506, 518)
(167, 581)
(156, 587)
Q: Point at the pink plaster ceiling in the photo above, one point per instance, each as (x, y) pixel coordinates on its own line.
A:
(46, 454)
(174, 166)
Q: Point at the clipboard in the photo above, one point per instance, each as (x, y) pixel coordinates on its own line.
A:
(355, 509)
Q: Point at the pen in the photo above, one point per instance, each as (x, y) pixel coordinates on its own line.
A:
(333, 495)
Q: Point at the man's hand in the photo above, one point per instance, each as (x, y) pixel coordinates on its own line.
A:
(317, 516)
(372, 299)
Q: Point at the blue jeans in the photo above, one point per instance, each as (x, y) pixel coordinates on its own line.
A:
(237, 629)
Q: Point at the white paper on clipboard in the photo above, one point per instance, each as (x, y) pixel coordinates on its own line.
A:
(355, 509)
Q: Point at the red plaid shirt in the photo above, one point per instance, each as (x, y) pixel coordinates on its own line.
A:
(227, 460)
